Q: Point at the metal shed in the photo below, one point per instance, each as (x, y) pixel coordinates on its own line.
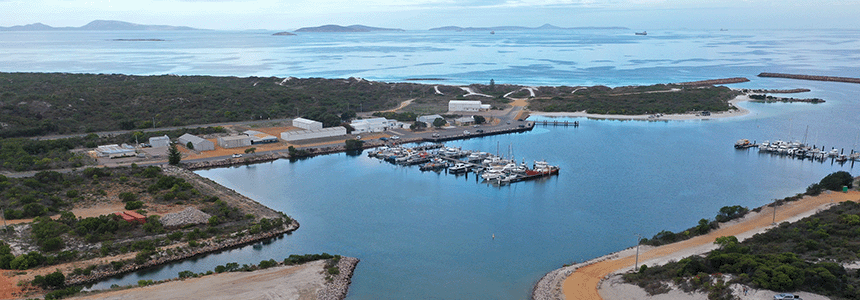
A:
(199, 143)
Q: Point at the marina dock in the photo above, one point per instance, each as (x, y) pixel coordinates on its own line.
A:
(799, 150)
(493, 169)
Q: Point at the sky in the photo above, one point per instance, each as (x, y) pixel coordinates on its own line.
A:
(426, 14)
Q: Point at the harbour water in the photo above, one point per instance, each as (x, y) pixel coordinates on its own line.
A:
(429, 235)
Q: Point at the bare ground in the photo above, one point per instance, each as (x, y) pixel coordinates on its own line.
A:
(292, 282)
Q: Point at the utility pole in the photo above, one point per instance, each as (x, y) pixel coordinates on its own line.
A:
(774, 213)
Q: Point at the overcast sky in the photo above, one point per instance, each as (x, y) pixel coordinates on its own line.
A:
(425, 14)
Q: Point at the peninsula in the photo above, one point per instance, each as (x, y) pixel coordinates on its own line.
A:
(96, 25)
(351, 28)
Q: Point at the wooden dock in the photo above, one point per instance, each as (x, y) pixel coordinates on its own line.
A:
(557, 123)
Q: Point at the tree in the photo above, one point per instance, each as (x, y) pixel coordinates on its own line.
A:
(418, 125)
(173, 155)
(836, 180)
(190, 146)
(480, 120)
(439, 122)
(251, 150)
(354, 144)
(492, 84)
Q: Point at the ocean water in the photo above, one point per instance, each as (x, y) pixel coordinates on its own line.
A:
(425, 235)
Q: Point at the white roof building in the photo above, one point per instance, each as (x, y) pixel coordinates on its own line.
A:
(307, 124)
(159, 141)
(465, 120)
(374, 125)
(465, 105)
(199, 143)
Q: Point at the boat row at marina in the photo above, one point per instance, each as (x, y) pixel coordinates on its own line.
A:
(799, 150)
(492, 168)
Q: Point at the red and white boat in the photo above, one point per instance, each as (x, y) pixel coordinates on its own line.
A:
(541, 167)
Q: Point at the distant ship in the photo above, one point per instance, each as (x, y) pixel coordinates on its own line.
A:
(642, 33)
(492, 32)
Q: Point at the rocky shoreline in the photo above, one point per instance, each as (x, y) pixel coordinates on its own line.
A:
(105, 272)
(339, 286)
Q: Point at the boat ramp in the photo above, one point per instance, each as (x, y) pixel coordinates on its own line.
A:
(493, 169)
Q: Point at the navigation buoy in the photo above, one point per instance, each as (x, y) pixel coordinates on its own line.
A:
(494, 236)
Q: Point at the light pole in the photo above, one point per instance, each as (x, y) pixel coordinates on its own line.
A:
(636, 264)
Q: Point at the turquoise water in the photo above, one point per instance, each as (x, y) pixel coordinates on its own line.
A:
(428, 235)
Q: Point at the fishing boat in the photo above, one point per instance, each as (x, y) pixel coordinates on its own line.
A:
(458, 168)
(541, 167)
(642, 33)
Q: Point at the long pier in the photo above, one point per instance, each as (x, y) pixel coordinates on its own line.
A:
(811, 77)
(557, 123)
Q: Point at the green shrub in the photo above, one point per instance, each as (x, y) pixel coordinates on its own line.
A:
(133, 205)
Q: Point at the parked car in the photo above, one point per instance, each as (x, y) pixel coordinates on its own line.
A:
(435, 135)
(785, 296)
(237, 155)
(479, 131)
(466, 132)
(395, 137)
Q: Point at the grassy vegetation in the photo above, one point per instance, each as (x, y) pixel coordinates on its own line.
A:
(51, 193)
(633, 100)
(803, 256)
(23, 154)
(36, 104)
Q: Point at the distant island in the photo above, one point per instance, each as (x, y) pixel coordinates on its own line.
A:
(284, 33)
(96, 25)
(351, 28)
(543, 27)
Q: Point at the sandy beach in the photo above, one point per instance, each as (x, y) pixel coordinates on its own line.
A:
(736, 112)
(596, 279)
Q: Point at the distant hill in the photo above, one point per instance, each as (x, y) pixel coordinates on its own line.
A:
(543, 27)
(287, 33)
(96, 25)
(351, 28)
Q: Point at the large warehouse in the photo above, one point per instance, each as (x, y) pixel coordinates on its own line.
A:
(234, 141)
(307, 124)
(297, 135)
(464, 105)
(199, 143)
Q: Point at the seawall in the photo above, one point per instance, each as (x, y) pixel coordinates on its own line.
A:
(811, 77)
(714, 81)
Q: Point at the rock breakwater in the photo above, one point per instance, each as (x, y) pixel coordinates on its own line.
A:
(811, 77)
(714, 81)
(339, 286)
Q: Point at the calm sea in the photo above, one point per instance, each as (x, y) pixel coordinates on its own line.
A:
(425, 235)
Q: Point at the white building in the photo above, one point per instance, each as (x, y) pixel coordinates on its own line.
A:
(199, 143)
(297, 135)
(307, 124)
(260, 138)
(374, 125)
(465, 120)
(463, 105)
(159, 141)
(428, 119)
(235, 141)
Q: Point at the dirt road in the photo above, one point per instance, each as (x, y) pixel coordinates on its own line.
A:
(583, 283)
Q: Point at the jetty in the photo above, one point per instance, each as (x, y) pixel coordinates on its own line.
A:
(714, 81)
(557, 123)
(811, 77)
